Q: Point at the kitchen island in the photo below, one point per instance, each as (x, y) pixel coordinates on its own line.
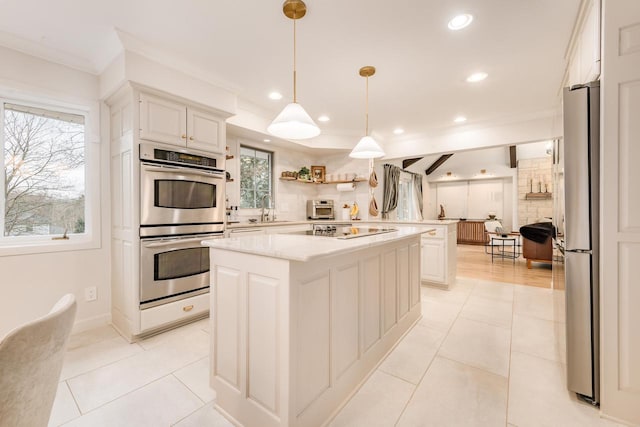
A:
(299, 322)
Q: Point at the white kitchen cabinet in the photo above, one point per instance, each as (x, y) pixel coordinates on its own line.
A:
(139, 114)
(205, 131)
(433, 258)
(439, 257)
(173, 122)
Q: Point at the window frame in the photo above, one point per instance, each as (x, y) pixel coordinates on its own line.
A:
(271, 177)
(91, 238)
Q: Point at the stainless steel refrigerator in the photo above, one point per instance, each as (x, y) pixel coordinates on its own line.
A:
(581, 111)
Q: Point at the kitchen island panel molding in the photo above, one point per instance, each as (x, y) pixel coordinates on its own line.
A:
(404, 287)
(321, 332)
(262, 333)
(313, 338)
(372, 302)
(346, 300)
(228, 289)
(390, 281)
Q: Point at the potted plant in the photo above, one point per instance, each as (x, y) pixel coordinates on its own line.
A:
(304, 173)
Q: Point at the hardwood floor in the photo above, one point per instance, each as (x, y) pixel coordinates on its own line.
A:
(474, 262)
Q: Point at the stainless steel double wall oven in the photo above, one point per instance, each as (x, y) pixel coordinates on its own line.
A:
(181, 203)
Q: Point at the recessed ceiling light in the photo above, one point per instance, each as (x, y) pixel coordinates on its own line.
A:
(460, 21)
(323, 118)
(266, 140)
(276, 96)
(460, 119)
(477, 77)
(398, 131)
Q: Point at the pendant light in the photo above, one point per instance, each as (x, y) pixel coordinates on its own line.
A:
(367, 148)
(293, 122)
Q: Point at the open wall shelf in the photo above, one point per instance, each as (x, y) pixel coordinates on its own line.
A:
(538, 196)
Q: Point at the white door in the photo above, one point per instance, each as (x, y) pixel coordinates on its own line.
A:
(162, 120)
(620, 209)
(204, 131)
(433, 260)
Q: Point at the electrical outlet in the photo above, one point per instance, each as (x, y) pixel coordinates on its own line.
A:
(90, 293)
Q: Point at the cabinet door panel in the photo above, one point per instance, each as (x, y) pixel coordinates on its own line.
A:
(162, 120)
(433, 260)
(204, 131)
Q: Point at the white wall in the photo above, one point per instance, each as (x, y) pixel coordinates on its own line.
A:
(31, 284)
(342, 163)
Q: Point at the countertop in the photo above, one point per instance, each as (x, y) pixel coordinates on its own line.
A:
(296, 247)
(355, 223)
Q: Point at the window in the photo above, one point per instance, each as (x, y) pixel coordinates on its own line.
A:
(256, 182)
(405, 199)
(44, 173)
(409, 198)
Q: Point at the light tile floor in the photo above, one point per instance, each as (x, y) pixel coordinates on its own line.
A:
(483, 354)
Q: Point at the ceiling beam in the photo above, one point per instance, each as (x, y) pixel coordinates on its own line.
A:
(435, 165)
(408, 162)
(513, 161)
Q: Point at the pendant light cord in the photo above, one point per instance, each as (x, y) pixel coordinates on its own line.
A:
(366, 128)
(295, 95)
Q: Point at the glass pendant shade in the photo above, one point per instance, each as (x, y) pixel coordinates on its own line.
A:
(293, 123)
(367, 148)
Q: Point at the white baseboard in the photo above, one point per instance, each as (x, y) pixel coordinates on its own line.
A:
(91, 323)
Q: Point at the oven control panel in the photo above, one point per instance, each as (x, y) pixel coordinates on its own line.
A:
(153, 153)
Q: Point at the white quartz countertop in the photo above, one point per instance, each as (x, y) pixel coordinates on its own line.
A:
(296, 247)
(233, 226)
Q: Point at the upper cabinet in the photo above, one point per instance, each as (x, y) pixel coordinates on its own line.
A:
(585, 57)
(172, 122)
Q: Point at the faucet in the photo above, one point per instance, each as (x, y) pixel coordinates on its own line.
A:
(263, 217)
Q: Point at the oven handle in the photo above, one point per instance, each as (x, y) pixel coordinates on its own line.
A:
(174, 241)
(169, 169)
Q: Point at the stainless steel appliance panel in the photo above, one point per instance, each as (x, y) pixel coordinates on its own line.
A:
(580, 365)
(576, 172)
(320, 209)
(173, 268)
(180, 195)
(582, 222)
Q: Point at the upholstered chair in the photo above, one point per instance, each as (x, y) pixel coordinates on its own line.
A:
(30, 363)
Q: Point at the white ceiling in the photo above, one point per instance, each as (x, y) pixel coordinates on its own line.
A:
(494, 160)
(247, 46)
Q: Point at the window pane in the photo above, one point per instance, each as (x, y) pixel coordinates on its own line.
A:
(255, 177)
(44, 171)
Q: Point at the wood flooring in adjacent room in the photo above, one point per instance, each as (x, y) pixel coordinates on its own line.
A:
(474, 262)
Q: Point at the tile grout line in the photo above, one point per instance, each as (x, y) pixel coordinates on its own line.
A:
(82, 414)
(108, 363)
(513, 305)
(120, 397)
(185, 384)
(192, 392)
(74, 401)
(433, 358)
(473, 367)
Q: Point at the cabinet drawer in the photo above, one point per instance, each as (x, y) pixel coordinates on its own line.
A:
(438, 233)
(173, 312)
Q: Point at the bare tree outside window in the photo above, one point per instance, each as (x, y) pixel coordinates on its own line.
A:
(255, 177)
(44, 190)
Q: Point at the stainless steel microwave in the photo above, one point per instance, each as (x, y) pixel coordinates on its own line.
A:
(320, 209)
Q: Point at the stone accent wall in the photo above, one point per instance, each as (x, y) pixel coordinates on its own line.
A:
(540, 169)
